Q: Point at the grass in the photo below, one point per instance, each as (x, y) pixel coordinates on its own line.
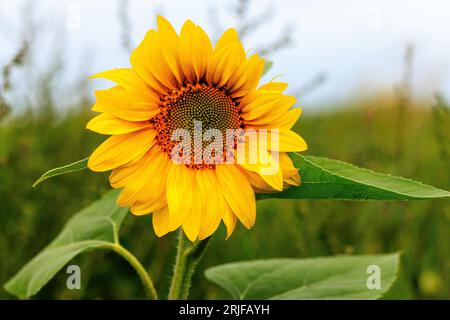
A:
(366, 133)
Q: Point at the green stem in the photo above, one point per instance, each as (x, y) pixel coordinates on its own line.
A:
(195, 254)
(178, 270)
(147, 282)
(187, 259)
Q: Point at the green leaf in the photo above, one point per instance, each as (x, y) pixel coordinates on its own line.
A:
(73, 167)
(324, 178)
(341, 277)
(267, 66)
(94, 227)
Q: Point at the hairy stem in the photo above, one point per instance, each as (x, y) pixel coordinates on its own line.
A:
(187, 259)
(194, 254)
(178, 270)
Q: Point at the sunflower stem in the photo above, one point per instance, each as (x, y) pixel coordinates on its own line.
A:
(187, 259)
(194, 254)
(178, 269)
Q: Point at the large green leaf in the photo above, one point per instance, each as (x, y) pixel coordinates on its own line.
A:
(94, 227)
(341, 277)
(324, 178)
(73, 167)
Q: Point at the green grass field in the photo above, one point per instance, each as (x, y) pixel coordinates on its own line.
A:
(369, 133)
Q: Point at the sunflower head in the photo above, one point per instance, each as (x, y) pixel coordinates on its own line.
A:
(193, 137)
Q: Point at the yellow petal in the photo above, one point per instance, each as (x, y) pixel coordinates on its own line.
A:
(152, 195)
(229, 54)
(274, 86)
(213, 202)
(202, 52)
(119, 150)
(229, 37)
(287, 165)
(150, 63)
(288, 141)
(142, 177)
(258, 98)
(108, 124)
(121, 176)
(293, 180)
(257, 183)
(142, 66)
(224, 63)
(267, 167)
(179, 194)
(161, 221)
(285, 120)
(265, 112)
(186, 50)
(158, 66)
(125, 104)
(169, 45)
(270, 118)
(238, 193)
(290, 172)
(191, 224)
(128, 79)
(229, 219)
(195, 51)
(143, 208)
(247, 77)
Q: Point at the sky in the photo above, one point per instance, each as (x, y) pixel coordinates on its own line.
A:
(358, 44)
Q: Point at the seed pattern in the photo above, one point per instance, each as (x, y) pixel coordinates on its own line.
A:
(181, 108)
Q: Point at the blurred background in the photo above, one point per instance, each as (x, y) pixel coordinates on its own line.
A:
(373, 80)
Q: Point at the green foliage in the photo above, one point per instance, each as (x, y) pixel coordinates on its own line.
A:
(340, 277)
(73, 167)
(324, 178)
(94, 227)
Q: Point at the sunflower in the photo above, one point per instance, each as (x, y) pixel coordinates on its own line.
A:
(184, 83)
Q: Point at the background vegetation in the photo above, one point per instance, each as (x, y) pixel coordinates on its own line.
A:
(385, 132)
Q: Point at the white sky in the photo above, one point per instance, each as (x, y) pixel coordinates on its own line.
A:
(358, 43)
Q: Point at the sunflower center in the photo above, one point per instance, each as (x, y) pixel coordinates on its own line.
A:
(198, 110)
